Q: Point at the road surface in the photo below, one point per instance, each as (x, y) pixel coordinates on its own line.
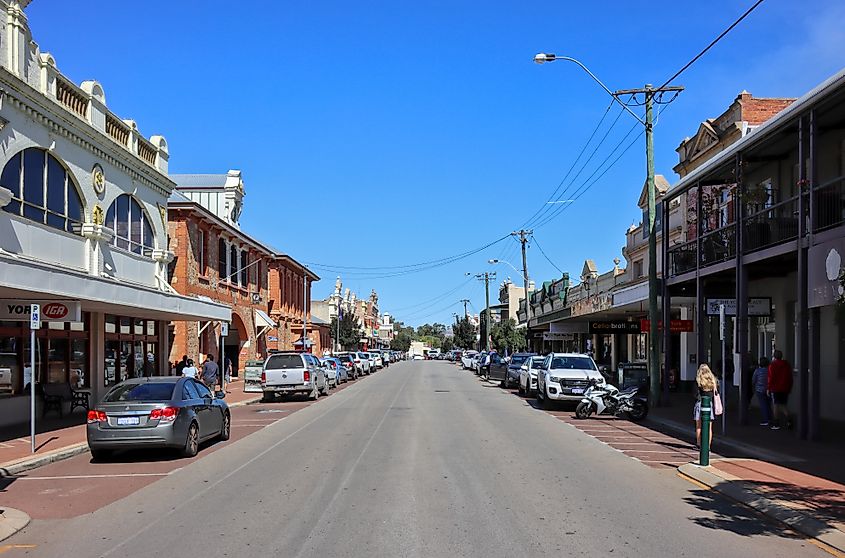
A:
(421, 459)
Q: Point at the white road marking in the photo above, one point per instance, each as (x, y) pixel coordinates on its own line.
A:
(114, 476)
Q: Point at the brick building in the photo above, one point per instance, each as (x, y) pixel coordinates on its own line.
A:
(215, 260)
(289, 297)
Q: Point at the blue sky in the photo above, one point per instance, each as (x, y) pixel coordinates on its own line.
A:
(376, 134)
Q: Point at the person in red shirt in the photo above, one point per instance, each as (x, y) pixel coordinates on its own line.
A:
(780, 384)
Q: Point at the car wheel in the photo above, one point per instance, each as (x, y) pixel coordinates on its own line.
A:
(100, 455)
(226, 430)
(519, 389)
(192, 441)
(268, 397)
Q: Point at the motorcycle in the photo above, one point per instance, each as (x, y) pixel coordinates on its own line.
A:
(606, 399)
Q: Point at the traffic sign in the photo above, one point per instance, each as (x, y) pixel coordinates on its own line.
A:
(224, 329)
(34, 316)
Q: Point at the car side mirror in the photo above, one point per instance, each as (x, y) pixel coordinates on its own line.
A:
(220, 394)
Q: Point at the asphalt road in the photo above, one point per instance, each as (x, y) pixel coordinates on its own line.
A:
(422, 459)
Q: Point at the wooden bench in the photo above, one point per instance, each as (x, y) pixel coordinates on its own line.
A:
(56, 394)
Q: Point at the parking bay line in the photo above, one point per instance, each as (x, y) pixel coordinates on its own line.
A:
(79, 477)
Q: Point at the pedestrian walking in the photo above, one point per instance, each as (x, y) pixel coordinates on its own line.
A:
(780, 385)
(227, 369)
(706, 382)
(189, 371)
(760, 383)
(210, 371)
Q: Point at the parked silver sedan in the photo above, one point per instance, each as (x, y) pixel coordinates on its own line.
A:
(166, 412)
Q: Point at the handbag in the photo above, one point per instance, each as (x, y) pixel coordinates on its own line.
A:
(717, 403)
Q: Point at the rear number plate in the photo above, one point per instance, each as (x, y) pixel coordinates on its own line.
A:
(127, 421)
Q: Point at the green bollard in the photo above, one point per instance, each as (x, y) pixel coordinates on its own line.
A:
(704, 451)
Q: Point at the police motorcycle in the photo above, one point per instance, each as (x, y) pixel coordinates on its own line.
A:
(606, 399)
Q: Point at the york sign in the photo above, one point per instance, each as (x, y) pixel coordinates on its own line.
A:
(16, 310)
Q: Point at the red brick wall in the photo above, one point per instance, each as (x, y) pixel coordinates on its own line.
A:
(758, 111)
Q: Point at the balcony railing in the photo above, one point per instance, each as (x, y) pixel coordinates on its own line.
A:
(682, 258)
(773, 225)
(830, 204)
(71, 97)
(719, 245)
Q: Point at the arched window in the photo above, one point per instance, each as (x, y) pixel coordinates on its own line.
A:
(42, 190)
(131, 225)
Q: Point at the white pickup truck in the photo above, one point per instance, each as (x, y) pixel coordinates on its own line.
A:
(289, 373)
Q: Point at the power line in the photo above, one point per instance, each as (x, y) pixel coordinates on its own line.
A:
(436, 299)
(575, 162)
(712, 43)
(537, 244)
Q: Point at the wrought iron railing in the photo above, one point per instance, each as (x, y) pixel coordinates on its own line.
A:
(718, 246)
(830, 204)
(773, 225)
(682, 258)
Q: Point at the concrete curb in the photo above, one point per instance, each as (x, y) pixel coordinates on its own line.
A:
(14, 468)
(12, 521)
(794, 519)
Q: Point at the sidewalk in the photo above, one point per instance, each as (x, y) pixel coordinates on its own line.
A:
(794, 482)
(58, 439)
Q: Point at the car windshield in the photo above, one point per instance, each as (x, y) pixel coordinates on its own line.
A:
(537, 362)
(518, 359)
(278, 362)
(151, 391)
(572, 363)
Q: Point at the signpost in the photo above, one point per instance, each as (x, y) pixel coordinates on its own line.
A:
(34, 323)
(224, 332)
(722, 335)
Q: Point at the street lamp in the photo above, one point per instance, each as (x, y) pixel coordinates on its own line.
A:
(650, 92)
(498, 261)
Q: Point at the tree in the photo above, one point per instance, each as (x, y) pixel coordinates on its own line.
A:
(447, 344)
(464, 334)
(350, 331)
(506, 337)
(401, 341)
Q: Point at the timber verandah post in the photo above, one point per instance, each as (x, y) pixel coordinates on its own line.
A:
(814, 361)
(700, 301)
(741, 345)
(667, 304)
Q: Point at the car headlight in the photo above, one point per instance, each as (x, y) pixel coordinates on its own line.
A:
(555, 379)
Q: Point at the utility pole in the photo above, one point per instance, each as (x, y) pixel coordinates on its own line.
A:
(304, 310)
(465, 301)
(486, 277)
(523, 240)
(653, 315)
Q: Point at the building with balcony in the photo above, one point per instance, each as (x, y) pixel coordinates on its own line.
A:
(765, 231)
(83, 232)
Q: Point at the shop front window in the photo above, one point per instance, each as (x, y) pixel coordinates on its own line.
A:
(57, 357)
(131, 351)
(641, 347)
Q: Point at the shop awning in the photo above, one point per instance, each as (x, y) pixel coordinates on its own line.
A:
(30, 280)
(263, 322)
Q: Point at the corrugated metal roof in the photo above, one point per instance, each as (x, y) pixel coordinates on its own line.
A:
(199, 180)
(176, 197)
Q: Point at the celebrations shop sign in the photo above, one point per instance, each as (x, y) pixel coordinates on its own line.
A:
(17, 310)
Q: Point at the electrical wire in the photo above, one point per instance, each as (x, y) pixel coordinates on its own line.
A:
(544, 254)
(435, 300)
(712, 43)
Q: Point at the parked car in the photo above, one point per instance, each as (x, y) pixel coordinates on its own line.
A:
(528, 375)
(366, 362)
(466, 360)
(331, 372)
(496, 368)
(351, 363)
(167, 412)
(287, 373)
(565, 377)
(514, 368)
(481, 363)
(335, 367)
(418, 357)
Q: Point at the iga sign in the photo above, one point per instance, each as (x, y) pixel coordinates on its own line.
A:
(15, 310)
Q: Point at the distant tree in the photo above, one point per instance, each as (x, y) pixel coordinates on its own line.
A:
(350, 331)
(506, 337)
(401, 341)
(447, 344)
(464, 334)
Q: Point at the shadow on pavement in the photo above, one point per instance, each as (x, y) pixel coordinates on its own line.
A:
(725, 515)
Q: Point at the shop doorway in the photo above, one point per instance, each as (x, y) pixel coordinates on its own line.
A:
(232, 344)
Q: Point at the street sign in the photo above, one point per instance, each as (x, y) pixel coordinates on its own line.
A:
(224, 329)
(758, 306)
(721, 322)
(34, 316)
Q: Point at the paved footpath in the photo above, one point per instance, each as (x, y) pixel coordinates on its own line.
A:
(422, 460)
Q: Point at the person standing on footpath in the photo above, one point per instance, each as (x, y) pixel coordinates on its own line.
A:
(210, 371)
(190, 371)
(180, 366)
(706, 382)
(760, 384)
(780, 385)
